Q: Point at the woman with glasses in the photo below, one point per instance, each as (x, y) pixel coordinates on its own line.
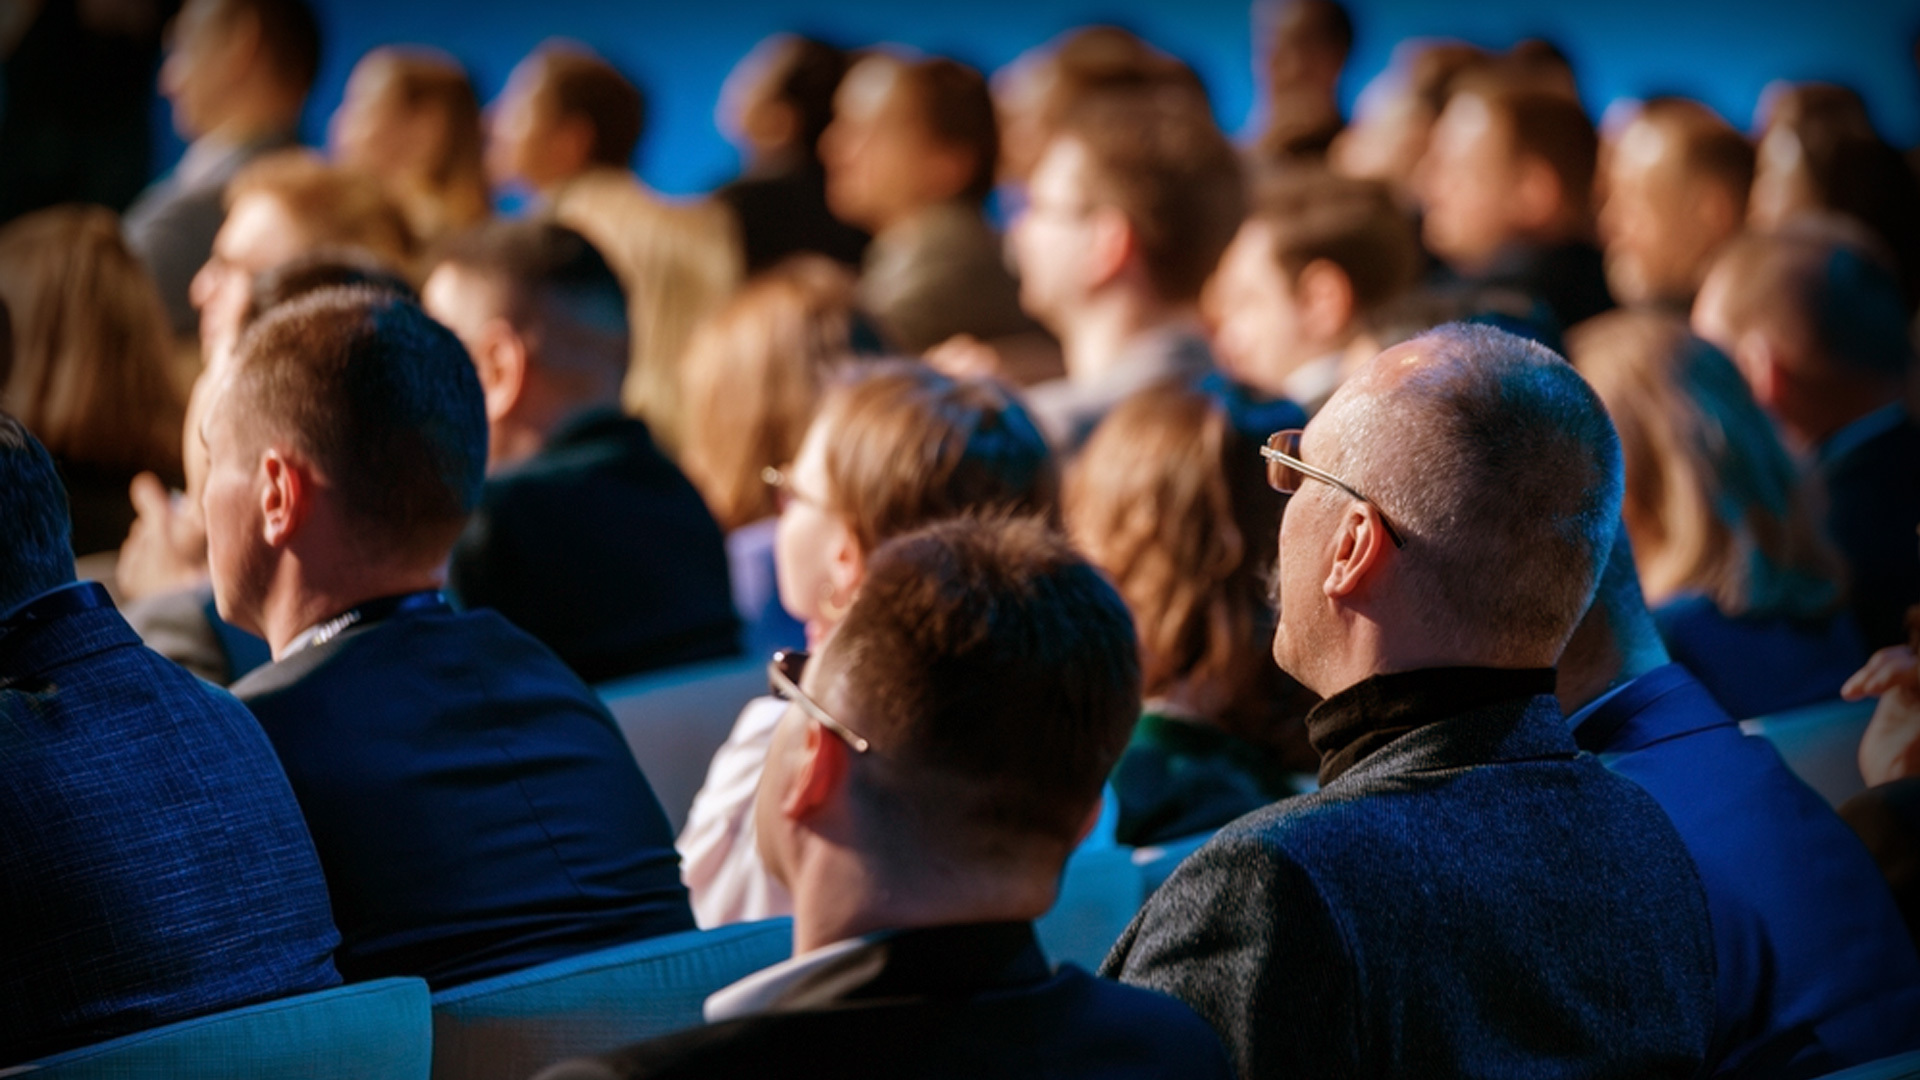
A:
(1221, 733)
(894, 447)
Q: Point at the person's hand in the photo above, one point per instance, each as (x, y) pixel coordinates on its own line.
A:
(964, 356)
(166, 549)
(1890, 749)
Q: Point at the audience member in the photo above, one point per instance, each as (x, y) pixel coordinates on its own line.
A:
(919, 849)
(1317, 254)
(1677, 179)
(1816, 326)
(1131, 206)
(1887, 815)
(775, 105)
(1815, 971)
(475, 809)
(1220, 735)
(237, 73)
(1302, 48)
(565, 112)
(1339, 933)
(910, 157)
(586, 536)
(93, 374)
(153, 863)
(893, 448)
(1507, 186)
(754, 374)
(1394, 114)
(1746, 590)
(409, 118)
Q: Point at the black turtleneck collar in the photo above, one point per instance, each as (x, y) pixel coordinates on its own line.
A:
(1349, 726)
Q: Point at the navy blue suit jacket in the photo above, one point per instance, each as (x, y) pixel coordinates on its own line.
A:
(603, 550)
(1815, 969)
(153, 862)
(475, 808)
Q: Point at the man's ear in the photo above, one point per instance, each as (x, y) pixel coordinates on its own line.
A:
(818, 776)
(1112, 244)
(1324, 297)
(500, 360)
(1758, 359)
(1360, 551)
(286, 496)
(1538, 197)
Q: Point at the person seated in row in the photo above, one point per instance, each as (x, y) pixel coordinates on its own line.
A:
(932, 768)
(1464, 881)
(154, 865)
(894, 447)
(1887, 815)
(586, 535)
(475, 808)
(1677, 178)
(409, 118)
(1316, 256)
(1748, 593)
(1220, 734)
(1813, 318)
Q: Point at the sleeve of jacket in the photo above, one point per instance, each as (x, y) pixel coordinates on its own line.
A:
(1243, 936)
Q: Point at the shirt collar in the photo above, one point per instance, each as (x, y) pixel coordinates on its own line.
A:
(37, 597)
(1581, 714)
(1349, 726)
(758, 991)
(1849, 438)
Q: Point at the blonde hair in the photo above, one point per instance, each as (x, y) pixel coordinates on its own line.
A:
(452, 194)
(337, 207)
(752, 378)
(93, 373)
(1714, 504)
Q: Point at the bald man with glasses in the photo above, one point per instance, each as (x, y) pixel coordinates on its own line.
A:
(1466, 894)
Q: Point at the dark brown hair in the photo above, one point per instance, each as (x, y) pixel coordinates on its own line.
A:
(1553, 127)
(289, 34)
(958, 111)
(1357, 225)
(578, 83)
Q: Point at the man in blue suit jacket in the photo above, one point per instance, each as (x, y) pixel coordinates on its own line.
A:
(153, 863)
(474, 806)
(1815, 970)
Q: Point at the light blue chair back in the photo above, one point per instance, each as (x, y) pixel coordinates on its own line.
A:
(674, 721)
(1099, 894)
(1820, 743)
(1901, 1067)
(513, 1025)
(380, 1030)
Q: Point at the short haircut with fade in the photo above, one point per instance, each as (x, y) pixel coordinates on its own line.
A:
(336, 207)
(1357, 225)
(546, 271)
(1552, 127)
(38, 553)
(907, 446)
(953, 102)
(994, 671)
(383, 400)
(1157, 156)
(1498, 464)
(322, 268)
(1824, 284)
(578, 83)
(1710, 148)
(289, 35)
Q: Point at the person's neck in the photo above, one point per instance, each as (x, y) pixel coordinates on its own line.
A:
(1095, 338)
(254, 115)
(1598, 659)
(840, 894)
(301, 600)
(510, 443)
(1820, 418)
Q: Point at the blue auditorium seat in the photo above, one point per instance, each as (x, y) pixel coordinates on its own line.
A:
(1820, 743)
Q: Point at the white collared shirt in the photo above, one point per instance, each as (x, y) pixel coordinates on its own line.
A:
(758, 991)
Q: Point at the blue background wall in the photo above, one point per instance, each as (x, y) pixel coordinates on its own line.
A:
(1723, 51)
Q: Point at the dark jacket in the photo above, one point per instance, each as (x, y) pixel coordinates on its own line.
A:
(153, 862)
(1471, 897)
(475, 808)
(782, 212)
(1760, 665)
(1873, 506)
(1569, 278)
(954, 1001)
(600, 547)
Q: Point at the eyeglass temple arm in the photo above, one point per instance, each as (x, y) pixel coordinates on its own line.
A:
(1271, 454)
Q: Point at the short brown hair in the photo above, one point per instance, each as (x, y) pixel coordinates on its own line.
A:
(1553, 127)
(1358, 225)
(1710, 148)
(907, 446)
(289, 34)
(994, 671)
(455, 183)
(336, 207)
(576, 82)
(1156, 155)
(386, 403)
(1821, 283)
(953, 102)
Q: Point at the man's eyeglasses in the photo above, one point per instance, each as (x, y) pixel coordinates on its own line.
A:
(1286, 472)
(784, 492)
(783, 679)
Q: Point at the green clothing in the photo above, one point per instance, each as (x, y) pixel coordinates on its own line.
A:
(1180, 777)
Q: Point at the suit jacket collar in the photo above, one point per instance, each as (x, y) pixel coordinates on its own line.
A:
(1665, 703)
(34, 647)
(1355, 724)
(929, 962)
(596, 423)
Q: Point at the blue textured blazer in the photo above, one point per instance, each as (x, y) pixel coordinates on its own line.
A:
(475, 808)
(1816, 971)
(153, 863)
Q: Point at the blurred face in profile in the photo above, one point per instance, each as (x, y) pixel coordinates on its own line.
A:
(237, 555)
(878, 148)
(1465, 183)
(814, 550)
(258, 235)
(1257, 324)
(1659, 225)
(1052, 235)
(1782, 185)
(201, 68)
(374, 132)
(521, 132)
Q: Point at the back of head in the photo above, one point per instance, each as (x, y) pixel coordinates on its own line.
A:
(1357, 225)
(954, 103)
(994, 672)
(92, 364)
(1043, 85)
(1714, 502)
(332, 206)
(1498, 464)
(753, 375)
(1552, 126)
(907, 446)
(289, 37)
(323, 268)
(577, 83)
(1156, 154)
(1865, 178)
(383, 401)
(802, 75)
(1707, 147)
(38, 554)
(556, 290)
(421, 81)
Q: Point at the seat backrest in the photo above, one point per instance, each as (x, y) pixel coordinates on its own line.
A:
(1899, 1067)
(379, 1030)
(1099, 894)
(1820, 743)
(1157, 862)
(674, 721)
(515, 1024)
